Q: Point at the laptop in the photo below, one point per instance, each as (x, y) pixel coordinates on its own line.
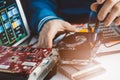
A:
(13, 25)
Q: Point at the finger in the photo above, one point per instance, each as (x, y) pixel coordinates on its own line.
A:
(44, 43)
(69, 27)
(94, 6)
(49, 42)
(111, 17)
(105, 9)
(100, 1)
(49, 38)
(39, 44)
(41, 40)
(117, 21)
(115, 12)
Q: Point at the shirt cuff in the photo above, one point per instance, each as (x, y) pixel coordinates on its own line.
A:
(44, 20)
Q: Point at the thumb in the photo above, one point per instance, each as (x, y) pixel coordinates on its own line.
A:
(94, 6)
(100, 1)
(69, 27)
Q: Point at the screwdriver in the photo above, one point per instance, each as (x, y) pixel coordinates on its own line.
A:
(96, 31)
(97, 22)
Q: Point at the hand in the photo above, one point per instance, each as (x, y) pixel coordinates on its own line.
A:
(50, 29)
(110, 11)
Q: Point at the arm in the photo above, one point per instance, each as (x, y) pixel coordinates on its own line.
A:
(44, 21)
(41, 11)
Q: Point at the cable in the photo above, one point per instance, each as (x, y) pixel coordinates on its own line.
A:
(111, 45)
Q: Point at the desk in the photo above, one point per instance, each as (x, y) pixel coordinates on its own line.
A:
(111, 63)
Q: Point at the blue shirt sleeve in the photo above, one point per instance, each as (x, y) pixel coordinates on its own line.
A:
(40, 12)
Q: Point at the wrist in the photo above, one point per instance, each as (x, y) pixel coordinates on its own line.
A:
(45, 20)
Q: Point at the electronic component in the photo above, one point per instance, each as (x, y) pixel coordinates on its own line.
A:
(77, 72)
(77, 48)
(110, 33)
(26, 63)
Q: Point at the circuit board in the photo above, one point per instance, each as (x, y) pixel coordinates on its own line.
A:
(25, 61)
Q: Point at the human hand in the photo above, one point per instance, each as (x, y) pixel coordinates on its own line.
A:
(50, 29)
(110, 11)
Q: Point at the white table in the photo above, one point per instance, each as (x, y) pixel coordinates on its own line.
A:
(111, 63)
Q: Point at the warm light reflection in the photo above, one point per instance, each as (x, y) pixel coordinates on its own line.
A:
(112, 66)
